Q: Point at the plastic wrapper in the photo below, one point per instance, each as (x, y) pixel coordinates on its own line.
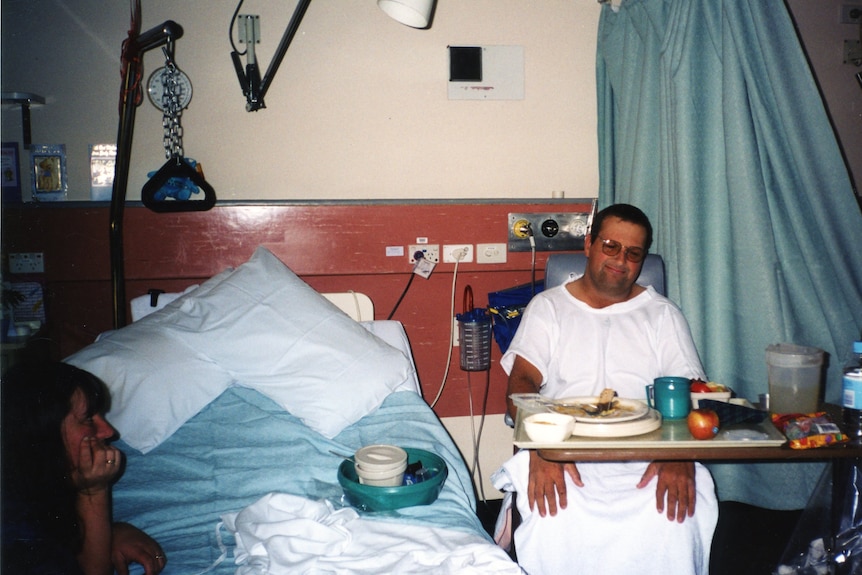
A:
(830, 526)
(808, 430)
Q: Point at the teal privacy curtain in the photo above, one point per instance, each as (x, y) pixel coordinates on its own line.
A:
(710, 121)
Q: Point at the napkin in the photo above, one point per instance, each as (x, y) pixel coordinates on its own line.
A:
(730, 413)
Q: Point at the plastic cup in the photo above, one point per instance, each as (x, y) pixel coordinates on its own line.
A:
(671, 396)
(795, 376)
(380, 465)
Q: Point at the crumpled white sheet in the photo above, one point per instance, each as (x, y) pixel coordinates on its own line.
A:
(282, 533)
(609, 526)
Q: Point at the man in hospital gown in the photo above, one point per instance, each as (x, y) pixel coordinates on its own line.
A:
(600, 331)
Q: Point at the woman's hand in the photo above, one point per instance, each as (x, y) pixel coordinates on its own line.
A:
(131, 545)
(98, 465)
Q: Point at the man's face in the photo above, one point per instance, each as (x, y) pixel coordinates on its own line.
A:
(614, 275)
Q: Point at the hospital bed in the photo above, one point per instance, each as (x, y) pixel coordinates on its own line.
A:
(235, 402)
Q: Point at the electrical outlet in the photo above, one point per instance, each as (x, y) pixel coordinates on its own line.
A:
(490, 253)
(430, 252)
(450, 251)
(27, 263)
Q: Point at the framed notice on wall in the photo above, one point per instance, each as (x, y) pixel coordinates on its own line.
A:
(48, 171)
(10, 172)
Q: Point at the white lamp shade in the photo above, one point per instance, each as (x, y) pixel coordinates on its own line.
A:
(414, 13)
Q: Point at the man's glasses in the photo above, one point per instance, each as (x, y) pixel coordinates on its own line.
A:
(612, 248)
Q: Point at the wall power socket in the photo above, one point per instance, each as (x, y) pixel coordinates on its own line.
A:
(27, 263)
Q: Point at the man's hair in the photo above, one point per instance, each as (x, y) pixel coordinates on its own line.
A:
(627, 213)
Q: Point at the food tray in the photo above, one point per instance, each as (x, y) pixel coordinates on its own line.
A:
(667, 434)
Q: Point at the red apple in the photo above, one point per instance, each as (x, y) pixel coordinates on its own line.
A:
(703, 423)
(699, 386)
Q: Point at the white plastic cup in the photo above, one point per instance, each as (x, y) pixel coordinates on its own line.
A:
(380, 465)
(795, 376)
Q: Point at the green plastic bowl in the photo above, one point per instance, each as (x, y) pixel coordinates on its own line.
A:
(371, 498)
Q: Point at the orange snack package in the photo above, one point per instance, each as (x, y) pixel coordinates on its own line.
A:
(808, 430)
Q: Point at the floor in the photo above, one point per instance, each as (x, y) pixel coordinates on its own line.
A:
(748, 540)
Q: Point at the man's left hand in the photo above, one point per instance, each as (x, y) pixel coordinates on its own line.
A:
(675, 484)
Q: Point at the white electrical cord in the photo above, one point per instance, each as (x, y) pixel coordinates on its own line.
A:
(451, 335)
(477, 437)
(533, 263)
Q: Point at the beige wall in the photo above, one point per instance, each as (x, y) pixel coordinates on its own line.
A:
(823, 37)
(358, 110)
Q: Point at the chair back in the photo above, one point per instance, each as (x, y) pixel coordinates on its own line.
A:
(564, 267)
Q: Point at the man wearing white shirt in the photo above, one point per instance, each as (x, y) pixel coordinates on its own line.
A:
(600, 331)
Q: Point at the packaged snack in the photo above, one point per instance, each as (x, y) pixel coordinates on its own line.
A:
(808, 430)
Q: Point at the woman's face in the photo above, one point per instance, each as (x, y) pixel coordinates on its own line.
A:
(79, 424)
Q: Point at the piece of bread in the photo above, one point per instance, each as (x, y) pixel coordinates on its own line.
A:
(606, 399)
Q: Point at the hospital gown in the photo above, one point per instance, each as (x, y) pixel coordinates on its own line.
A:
(609, 526)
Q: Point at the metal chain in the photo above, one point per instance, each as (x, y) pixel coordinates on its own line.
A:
(173, 131)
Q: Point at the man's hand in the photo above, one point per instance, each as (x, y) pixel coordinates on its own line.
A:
(676, 484)
(548, 482)
(130, 544)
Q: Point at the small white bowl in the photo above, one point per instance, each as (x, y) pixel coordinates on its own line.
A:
(723, 396)
(549, 427)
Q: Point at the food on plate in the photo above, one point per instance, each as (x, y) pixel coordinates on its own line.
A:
(606, 400)
(703, 423)
(701, 389)
(606, 407)
(699, 386)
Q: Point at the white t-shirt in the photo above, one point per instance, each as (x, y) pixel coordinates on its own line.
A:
(581, 350)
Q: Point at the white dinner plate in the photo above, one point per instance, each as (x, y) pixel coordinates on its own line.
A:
(578, 407)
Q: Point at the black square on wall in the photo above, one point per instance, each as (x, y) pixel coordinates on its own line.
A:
(465, 63)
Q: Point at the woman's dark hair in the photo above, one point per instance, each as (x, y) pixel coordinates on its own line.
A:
(36, 397)
(627, 213)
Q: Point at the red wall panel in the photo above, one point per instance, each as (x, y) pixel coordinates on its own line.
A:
(333, 247)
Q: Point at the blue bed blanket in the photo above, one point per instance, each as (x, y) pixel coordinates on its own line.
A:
(243, 446)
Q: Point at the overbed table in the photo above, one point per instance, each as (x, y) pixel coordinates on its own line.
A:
(673, 442)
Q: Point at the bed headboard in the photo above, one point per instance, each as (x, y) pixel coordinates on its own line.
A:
(357, 305)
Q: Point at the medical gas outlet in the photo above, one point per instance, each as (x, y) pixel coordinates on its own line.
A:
(547, 231)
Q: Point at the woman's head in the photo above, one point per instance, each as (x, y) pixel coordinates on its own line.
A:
(37, 398)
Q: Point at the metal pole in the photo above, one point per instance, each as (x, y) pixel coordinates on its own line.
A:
(153, 38)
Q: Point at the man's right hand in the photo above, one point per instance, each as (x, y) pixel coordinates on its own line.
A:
(547, 484)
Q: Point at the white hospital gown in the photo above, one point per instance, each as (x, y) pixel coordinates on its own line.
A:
(609, 526)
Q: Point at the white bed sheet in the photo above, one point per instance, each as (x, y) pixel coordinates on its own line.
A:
(244, 447)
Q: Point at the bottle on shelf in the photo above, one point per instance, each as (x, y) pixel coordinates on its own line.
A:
(851, 393)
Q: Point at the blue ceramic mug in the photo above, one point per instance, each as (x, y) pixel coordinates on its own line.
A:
(671, 396)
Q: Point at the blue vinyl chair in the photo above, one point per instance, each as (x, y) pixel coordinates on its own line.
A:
(562, 268)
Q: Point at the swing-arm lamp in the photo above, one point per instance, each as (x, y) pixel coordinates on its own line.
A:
(413, 13)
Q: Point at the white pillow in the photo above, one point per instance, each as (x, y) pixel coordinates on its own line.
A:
(156, 379)
(274, 333)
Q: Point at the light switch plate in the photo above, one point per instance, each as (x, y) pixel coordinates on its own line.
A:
(490, 253)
